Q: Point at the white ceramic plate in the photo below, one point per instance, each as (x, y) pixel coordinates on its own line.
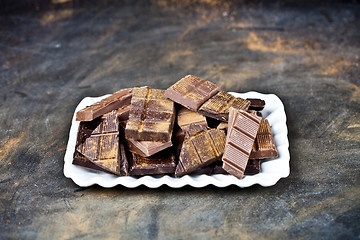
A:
(271, 170)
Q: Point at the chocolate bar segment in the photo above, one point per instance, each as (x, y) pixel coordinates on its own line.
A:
(256, 104)
(160, 163)
(115, 101)
(200, 149)
(191, 91)
(242, 131)
(102, 145)
(185, 117)
(151, 116)
(146, 148)
(264, 146)
(218, 106)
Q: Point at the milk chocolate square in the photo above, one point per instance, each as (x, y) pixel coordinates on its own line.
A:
(151, 116)
(191, 92)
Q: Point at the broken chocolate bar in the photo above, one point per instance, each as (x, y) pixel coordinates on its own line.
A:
(151, 116)
(242, 131)
(256, 104)
(191, 91)
(160, 163)
(201, 147)
(185, 117)
(99, 142)
(264, 146)
(82, 161)
(113, 102)
(218, 106)
(146, 148)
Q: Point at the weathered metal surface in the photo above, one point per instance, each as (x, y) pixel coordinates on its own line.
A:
(55, 53)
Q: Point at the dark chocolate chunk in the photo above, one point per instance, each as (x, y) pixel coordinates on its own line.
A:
(161, 163)
(200, 149)
(218, 105)
(191, 92)
(264, 146)
(252, 167)
(242, 131)
(151, 116)
(113, 102)
(256, 104)
(101, 145)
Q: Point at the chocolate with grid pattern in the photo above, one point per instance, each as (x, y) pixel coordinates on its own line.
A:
(185, 117)
(243, 127)
(256, 104)
(115, 101)
(151, 116)
(99, 142)
(161, 163)
(218, 105)
(191, 91)
(264, 146)
(200, 149)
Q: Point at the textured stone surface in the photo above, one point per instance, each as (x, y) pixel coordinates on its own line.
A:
(54, 53)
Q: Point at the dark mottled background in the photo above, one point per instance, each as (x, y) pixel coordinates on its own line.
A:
(54, 53)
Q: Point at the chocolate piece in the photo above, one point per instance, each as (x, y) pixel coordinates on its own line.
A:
(82, 161)
(256, 104)
(151, 116)
(264, 146)
(242, 131)
(160, 163)
(115, 101)
(185, 117)
(101, 145)
(252, 167)
(199, 149)
(191, 91)
(146, 148)
(218, 106)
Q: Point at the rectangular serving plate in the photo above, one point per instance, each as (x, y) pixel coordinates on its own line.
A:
(271, 169)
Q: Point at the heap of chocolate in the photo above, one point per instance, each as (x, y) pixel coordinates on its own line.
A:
(191, 128)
